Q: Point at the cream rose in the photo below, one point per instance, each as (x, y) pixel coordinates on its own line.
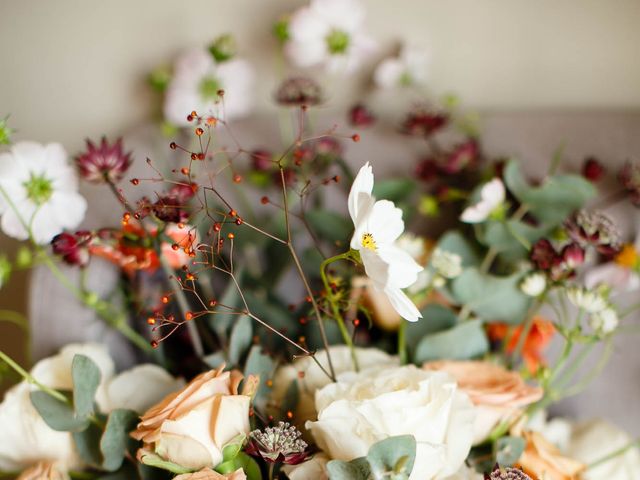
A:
(544, 460)
(315, 467)
(208, 474)
(498, 394)
(363, 408)
(44, 471)
(310, 377)
(190, 427)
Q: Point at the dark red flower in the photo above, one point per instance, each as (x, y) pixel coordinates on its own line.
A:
(592, 169)
(595, 229)
(629, 177)
(289, 177)
(173, 206)
(103, 163)
(299, 91)
(544, 255)
(422, 122)
(279, 444)
(261, 160)
(361, 116)
(462, 156)
(427, 170)
(72, 247)
(572, 255)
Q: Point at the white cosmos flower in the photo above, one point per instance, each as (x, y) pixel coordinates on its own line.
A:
(38, 189)
(378, 224)
(492, 197)
(195, 84)
(408, 68)
(329, 33)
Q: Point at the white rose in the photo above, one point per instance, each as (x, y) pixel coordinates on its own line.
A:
(315, 467)
(466, 473)
(310, 377)
(363, 408)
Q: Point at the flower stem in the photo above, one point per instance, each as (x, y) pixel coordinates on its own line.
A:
(31, 379)
(614, 454)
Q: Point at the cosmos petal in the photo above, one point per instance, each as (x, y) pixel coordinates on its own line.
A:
(361, 190)
(402, 304)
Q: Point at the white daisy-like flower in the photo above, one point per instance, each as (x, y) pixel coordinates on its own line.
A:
(408, 68)
(196, 82)
(534, 284)
(38, 192)
(591, 301)
(604, 321)
(329, 33)
(492, 197)
(417, 248)
(378, 224)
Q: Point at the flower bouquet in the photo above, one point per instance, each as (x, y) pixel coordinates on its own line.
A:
(295, 317)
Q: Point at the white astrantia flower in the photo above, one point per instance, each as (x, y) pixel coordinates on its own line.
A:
(378, 224)
(408, 68)
(604, 321)
(492, 197)
(195, 84)
(329, 33)
(38, 192)
(447, 264)
(589, 300)
(534, 284)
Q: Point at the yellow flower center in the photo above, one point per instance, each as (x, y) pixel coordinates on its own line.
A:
(368, 242)
(628, 256)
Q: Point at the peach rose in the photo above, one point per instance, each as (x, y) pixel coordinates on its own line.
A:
(43, 471)
(208, 474)
(498, 394)
(542, 459)
(191, 427)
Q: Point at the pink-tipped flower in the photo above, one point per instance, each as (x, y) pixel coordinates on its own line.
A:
(424, 123)
(463, 156)
(629, 177)
(572, 256)
(103, 163)
(72, 247)
(592, 169)
(361, 116)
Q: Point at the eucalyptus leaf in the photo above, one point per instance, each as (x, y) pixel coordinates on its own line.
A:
(392, 457)
(221, 322)
(462, 342)
(357, 469)
(491, 297)
(509, 450)
(395, 189)
(435, 318)
(291, 398)
(455, 242)
(241, 337)
(86, 378)
(87, 445)
(115, 440)
(258, 363)
(330, 225)
(58, 415)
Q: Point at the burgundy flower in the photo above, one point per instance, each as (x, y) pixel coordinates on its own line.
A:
(361, 116)
(544, 255)
(299, 91)
(507, 473)
(572, 255)
(172, 207)
(592, 169)
(427, 170)
(461, 157)
(422, 122)
(328, 146)
(103, 163)
(72, 247)
(629, 177)
(261, 160)
(279, 444)
(595, 229)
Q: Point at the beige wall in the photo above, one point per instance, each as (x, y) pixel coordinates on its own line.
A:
(75, 68)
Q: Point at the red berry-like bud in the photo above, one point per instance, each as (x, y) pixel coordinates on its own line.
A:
(573, 255)
(361, 116)
(592, 169)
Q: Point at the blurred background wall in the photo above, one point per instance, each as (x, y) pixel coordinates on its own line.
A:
(71, 69)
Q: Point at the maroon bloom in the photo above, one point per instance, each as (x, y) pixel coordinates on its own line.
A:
(73, 247)
(297, 91)
(462, 156)
(592, 169)
(595, 229)
(173, 206)
(629, 177)
(427, 170)
(544, 255)
(261, 160)
(572, 255)
(279, 444)
(361, 116)
(422, 122)
(103, 163)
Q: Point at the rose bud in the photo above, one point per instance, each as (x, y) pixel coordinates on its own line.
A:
(592, 169)
(361, 116)
(573, 255)
(103, 163)
(72, 247)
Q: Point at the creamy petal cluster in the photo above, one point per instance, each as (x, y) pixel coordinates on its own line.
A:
(361, 409)
(191, 427)
(408, 68)
(38, 192)
(498, 394)
(378, 224)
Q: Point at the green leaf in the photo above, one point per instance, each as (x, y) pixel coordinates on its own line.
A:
(464, 341)
(241, 337)
(57, 414)
(455, 242)
(153, 460)
(393, 457)
(511, 235)
(556, 198)
(115, 440)
(395, 189)
(508, 450)
(215, 360)
(492, 297)
(330, 225)
(232, 448)
(86, 378)
(244, 461)
(222, 321)
(357, 469)
(291, 399)
(435, 318)
(87, 445)
(262, 365)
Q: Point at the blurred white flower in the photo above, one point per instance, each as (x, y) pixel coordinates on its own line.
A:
(195, 84)
(329, 33)
(605, 321)
(591, 301)
(620, 274)
(315, 468)
(492, 197)
(378, 224)
(38, 192)
(408, 68)
(446, 264)
(534, 284)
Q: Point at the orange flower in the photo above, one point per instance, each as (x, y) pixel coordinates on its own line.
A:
(538, 338)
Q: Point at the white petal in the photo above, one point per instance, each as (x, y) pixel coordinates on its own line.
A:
(306, 53)
(237, 78)
(384, 222)
(345, 15)
(12, 225)
(375, 268)
(493, 192)
(403, 269)
(306, 24)
(388, 73)
(476, 213)
(360, 190)
(402, 304)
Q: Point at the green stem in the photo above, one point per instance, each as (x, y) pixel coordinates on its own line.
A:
(31, 379)
(614, 454)
(334, 305)
(402, 342)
